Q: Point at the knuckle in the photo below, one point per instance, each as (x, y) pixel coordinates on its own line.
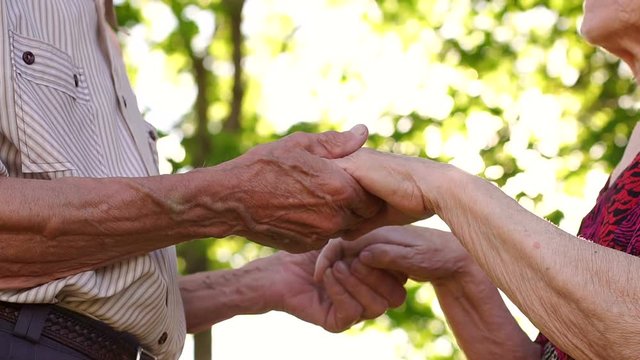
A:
(298, 138)
(329, 140)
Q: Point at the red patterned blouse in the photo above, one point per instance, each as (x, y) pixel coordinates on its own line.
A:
(613, 222)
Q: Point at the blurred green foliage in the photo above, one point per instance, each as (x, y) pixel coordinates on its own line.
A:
(507, 56)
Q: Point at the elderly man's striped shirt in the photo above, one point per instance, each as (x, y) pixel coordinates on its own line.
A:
(67, 109)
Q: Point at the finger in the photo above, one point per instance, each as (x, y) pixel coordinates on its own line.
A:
(331, 253)
(389, 257)
(339, 249)
(333, 145)
(372, 303)
(359, 163)
(388, 285)
(345, 311)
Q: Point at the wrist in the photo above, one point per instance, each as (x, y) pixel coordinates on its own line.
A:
(206, 202)
(466, 285)
(275, 284)
(467, 274)
(443, 189)
(213, 296)
(262, 275)
(454, 194)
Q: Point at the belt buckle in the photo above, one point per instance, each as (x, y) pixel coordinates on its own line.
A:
(143, 354)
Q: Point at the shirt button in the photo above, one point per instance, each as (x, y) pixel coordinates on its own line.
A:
(28, 57)
(153, 135)
(124, 101)
(163, 338)
(76, 80)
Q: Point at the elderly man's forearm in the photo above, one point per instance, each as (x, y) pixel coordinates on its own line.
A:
(51, 229)
(565, 285)
(213, 296)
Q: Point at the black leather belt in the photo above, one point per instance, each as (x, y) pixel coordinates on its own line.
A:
(80, 333)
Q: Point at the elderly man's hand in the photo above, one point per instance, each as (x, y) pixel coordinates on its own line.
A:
(421, 254)
(347, 294)
(291, 196)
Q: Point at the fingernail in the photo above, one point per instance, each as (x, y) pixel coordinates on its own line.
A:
(359, 130)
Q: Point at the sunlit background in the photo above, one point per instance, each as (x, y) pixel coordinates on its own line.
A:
(506, 90)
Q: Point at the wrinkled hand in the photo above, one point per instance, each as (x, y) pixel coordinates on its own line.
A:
(293, 197)
(421, 254)
(411, 187)
(348, 293)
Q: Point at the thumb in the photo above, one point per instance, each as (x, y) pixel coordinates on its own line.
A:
(334, 145)
(331, 253)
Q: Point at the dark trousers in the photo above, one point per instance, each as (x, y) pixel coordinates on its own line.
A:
(24, 340)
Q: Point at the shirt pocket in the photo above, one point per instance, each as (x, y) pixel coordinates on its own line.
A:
(54, 115)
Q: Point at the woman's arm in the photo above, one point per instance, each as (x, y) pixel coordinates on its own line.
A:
(483, 326)
(582, 296)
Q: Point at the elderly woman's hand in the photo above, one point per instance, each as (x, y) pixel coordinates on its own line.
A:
(412, 188)
(421, 254)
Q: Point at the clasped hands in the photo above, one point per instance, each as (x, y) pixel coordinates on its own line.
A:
(350, 281)
(325, 186)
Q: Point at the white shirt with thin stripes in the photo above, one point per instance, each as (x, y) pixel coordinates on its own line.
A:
(67, 109)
